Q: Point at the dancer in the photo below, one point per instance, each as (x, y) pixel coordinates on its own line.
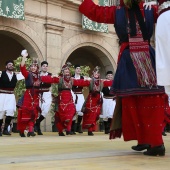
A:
(140, 101)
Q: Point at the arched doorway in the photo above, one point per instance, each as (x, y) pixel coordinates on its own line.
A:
(10, 49)
(91, 56)
(12, 42)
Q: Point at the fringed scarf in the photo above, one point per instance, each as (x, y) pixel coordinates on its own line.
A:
(139, 48)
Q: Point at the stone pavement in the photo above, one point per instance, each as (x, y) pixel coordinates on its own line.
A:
(78, 152)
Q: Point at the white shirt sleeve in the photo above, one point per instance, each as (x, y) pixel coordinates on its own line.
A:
(20, 76)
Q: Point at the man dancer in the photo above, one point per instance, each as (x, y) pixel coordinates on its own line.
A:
(46, 98)
(8, 80)
(108, 104)
(79, 100)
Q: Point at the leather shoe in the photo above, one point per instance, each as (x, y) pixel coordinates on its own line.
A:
(164, 134)
(156, 151)
(61, 134)
(31, 134)
(140, 147)
(39, 132)
(5, 132)
(90, 133)
(0, 133)
(22, 134)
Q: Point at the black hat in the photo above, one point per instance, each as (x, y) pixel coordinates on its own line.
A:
(77, 65)
(44, 62)
(9, 61)
(109, 72)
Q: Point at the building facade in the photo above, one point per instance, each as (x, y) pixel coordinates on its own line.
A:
(52, 31)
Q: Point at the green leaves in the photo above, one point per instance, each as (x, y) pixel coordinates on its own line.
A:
(20, 86)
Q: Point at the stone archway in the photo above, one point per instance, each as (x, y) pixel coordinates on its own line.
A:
(91, 56)
(101, 52)
(24, 40)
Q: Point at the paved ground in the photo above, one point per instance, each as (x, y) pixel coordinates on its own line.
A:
(79, 152)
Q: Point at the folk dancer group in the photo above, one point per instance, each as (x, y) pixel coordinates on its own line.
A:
(141, 99)
(35, 103)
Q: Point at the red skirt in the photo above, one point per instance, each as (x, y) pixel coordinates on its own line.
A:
(66, 107)
(143, 118)
(92, 110)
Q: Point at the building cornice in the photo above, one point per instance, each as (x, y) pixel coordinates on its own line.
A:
(54, 29)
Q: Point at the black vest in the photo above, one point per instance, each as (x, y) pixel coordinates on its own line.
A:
(6, 83)
(106, 92)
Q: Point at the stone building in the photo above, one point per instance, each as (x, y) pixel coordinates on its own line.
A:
(52, 31)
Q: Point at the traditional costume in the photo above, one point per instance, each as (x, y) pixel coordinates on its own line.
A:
(29, 103)
(65, 108)
(139, 99)
(7, 98)
(108, 106)
(45, 100)
(93, 103)
(78, 100)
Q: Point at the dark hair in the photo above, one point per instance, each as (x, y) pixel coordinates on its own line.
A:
(44, 62)
(109, 72)
(9, 61)
(77, 65)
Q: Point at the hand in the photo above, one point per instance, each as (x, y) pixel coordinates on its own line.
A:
(54, 75)
(149, 4)
(24, 53)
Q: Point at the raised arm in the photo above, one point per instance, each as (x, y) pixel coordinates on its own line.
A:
(98, 13)
(24, 71)
(22, 65)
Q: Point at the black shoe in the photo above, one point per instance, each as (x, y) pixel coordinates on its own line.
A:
(156, 151)
(69, 133)
(22, 134)
(80, 131)
(0, 133)
(73, 133)
(61, 134)
(106, 131)
(164, 134)
(5, 132)
(39, 132)
(31, 134)
(90, 134)
(141, 147)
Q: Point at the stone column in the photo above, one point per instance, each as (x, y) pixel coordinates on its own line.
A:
(54, 58)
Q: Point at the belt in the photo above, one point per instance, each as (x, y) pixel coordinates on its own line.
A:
(7, 91)
(44, 89)
(78, 93)
(108, 97)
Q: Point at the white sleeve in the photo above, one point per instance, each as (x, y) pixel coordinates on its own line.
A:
(20, 76)
(0, 73)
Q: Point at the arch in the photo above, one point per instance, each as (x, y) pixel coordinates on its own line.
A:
(90, 40)
(26, 41)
